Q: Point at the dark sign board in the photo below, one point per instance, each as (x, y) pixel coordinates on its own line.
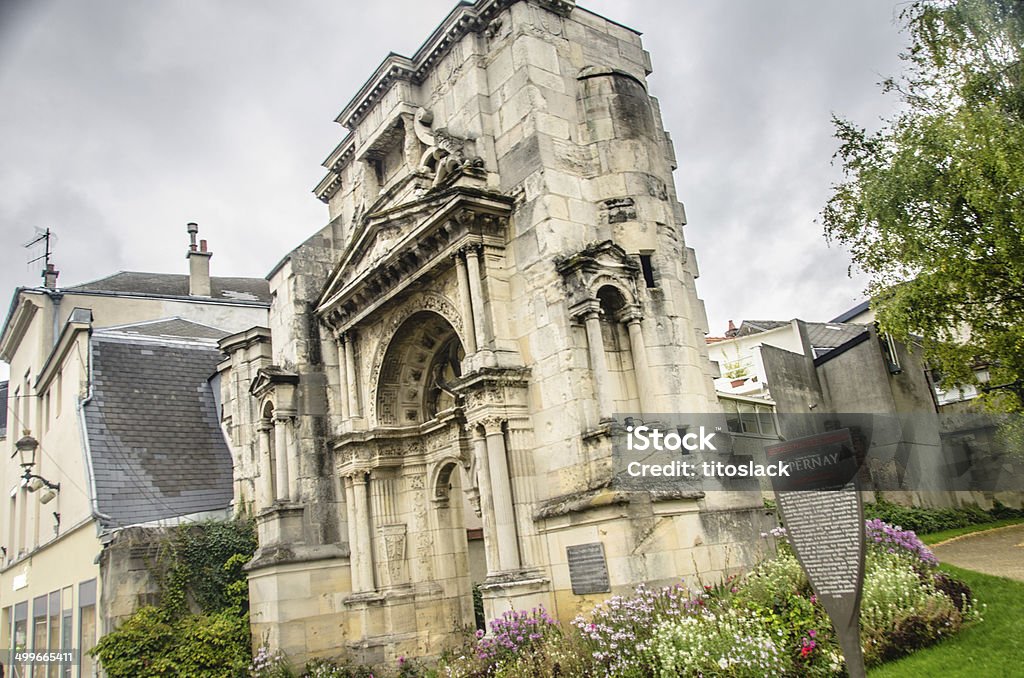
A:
(821, 509)
(588, 570)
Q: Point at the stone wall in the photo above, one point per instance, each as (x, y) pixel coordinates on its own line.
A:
(503, 273)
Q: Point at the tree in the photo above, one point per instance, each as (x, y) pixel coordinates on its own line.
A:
(931, 206)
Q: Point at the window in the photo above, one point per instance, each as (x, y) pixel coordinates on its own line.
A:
(86, 626)
(60, 390)
(647, 267)
(20, 634)
(5, 628)
(26, 402)
(750, 418)
(66, 643)
(22, 519)
(12, 552)
(53, 637)
(39, 637)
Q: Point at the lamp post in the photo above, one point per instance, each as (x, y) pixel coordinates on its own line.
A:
(26, 447)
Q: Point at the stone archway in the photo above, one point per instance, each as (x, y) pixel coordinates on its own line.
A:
(424, 355)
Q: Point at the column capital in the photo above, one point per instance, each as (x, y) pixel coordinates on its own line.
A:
(585, 310)
(491, 424)
(631, 314)
(265, 425)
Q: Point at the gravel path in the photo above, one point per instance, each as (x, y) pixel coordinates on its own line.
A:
(998, 552)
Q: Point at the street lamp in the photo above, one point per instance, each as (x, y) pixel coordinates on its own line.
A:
(26, 450)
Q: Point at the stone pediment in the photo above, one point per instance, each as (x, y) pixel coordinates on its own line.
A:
(395, 247)
(596, 265)
(269, 377)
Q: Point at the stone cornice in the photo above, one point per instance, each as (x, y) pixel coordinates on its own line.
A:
(244, 339)
(464, 19)
(341, 154)
(18, 322)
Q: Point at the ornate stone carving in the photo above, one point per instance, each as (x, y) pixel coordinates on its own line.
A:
(445, 155)
(596, 266)
(426, 301)
(393, 538)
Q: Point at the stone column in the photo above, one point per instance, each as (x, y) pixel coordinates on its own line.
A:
(595, 343)
(265, 491)
(290, 426)
(465, 302)
(343, 387)
(361, 557)
(476, 293)
(483, 479)
(355, 404)
(638, 349)
(501, 487)
(281, 461)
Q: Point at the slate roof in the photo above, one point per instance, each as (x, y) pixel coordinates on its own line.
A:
(255, 290)
(832, 335)
(823, 336)
(172, 328)
(853, 312)
(155, 442)
(748, 327)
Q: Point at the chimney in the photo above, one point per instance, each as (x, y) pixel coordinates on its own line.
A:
(50, 277)
(198, 264)
(732, 331)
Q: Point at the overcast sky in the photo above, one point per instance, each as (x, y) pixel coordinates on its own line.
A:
(120, 121)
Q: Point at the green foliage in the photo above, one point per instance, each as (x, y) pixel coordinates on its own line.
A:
(932, 205)
(200, 628)
(202, 561)
(901, 613)
(925, 520)
(992, 647)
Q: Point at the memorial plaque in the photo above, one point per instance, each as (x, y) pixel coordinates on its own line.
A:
(821, 508)
(588, 570)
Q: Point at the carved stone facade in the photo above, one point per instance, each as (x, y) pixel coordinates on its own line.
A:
(504, 270)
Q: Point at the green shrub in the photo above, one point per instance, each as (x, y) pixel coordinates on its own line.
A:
(926, 520)
(200, 628)
(901, 612)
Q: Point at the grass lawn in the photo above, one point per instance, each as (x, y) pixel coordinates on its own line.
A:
(936, 537)
(993, 647)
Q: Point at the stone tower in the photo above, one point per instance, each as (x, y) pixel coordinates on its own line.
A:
(434, 405)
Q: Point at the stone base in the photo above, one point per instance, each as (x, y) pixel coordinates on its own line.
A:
(280, 523)
(410, 621)
(297, 605)
(517, 590)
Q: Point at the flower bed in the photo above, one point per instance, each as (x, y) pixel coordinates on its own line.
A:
(765, 623)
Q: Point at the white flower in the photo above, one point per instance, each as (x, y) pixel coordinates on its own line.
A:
(724, 663)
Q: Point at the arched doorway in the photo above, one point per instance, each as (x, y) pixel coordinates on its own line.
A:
(425, 530)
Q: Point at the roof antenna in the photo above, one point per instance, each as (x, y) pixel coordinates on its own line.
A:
(46, 237)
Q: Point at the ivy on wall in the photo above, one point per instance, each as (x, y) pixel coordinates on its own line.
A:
(200, 626)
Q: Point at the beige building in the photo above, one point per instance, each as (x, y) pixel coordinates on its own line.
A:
(503, 274)
(110, 390)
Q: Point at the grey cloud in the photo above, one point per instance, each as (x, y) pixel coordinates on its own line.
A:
(122, 121)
